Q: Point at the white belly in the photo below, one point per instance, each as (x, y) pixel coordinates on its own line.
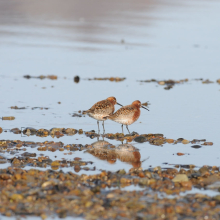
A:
(124, 121)
(98, 117)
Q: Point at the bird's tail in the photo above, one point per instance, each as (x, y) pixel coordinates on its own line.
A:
(85, 112)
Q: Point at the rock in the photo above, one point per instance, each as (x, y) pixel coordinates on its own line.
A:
(185, 141)
(76, 79)
(77, 168)
(217, 198)
(209, 180)
(207, 81)
(170, 141)
(215, 185)
(5, 176)
(168, 87)
(8, 118)
(196, 146)
(141, 174)
(204, 170)
(46, 184)
(55, 163)
(207, 143)
(140, 139)
(161, 83)
(29, 131)
(16, 130)
(180, 139)
(180, 178)
(121, 172)
(54, 130)
(53, 77)
(148, 174)
(2, 161)
(16, 162)
(124, 180)
(26, 154)
(16, 197)
(133, 133)
(143, 181)
(156, 169)
(42, 132)
(27, 76)
(157, 141)
(180, 154)
(80, 131)
(77, 158)
(70, 131)
(16, 107)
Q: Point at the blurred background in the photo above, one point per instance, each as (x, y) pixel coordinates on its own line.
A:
(137, 40)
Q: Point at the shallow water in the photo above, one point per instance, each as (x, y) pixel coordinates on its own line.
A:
(140, 41)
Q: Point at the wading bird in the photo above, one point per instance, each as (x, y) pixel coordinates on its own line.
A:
(127, 115)
(102, 109)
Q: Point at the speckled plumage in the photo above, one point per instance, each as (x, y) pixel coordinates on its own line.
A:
(102, 109)
(127, 115)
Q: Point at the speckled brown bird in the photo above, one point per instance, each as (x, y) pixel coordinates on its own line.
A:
(128, 114)
(102, 109)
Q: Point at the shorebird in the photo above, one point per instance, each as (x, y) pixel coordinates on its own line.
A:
(102, 109)
(124, 152)
(127, 115)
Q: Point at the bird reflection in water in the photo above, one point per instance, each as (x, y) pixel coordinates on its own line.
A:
(128, 153)
(124, 152)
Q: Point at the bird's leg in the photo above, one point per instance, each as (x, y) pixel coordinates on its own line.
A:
(98, 126)
(127, 128)
(103, 127)
(122, 128)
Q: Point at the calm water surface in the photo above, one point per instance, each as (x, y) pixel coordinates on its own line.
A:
(138, 40)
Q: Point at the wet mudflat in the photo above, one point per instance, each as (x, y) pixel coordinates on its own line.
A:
(57, 60)
(43, 193)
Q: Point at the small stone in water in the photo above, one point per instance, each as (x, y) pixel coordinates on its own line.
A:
(80, 131)
(196, 146)
(140, 139)
(207, 143)
(170, 141)
(8, 118)
(180, 178)
(180, 154)
(185, 141)
(76, 79)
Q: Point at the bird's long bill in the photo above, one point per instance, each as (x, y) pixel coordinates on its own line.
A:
(119, 104)
(145, 108)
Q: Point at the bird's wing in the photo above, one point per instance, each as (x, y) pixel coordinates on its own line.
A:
(100, 107)
(126, 110)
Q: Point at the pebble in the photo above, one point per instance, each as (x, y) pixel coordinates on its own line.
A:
(180, 154)
(8, 118)
(88, 196)
(140, 139)
(185, 141)
(180, 178)
(76, 79)
(196, 146)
